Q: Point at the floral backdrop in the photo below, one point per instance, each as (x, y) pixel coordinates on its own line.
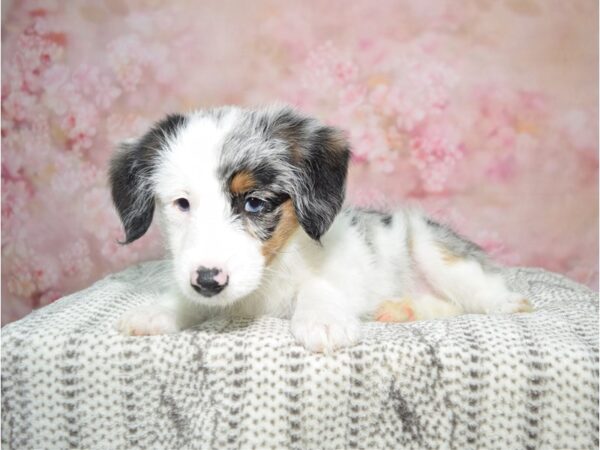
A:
(482, 111)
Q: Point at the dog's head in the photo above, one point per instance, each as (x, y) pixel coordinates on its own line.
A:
(231, 187)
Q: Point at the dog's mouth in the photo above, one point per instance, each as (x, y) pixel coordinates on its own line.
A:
(208, 292)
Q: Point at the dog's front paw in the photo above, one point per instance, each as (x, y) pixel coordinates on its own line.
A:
(148, 321)
(319, 334)
(402, 310)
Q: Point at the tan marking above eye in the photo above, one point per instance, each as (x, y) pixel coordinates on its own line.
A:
(242, 182)
(284, 230)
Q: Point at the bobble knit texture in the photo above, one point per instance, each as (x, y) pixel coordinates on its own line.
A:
(69, 380)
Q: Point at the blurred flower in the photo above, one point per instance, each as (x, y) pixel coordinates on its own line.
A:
(431, 110)
(581, 129)
(435, 150)
(120, 127)
(75, 260)
(128, 58)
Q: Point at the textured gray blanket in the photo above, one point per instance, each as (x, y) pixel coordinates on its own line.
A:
(506, 382)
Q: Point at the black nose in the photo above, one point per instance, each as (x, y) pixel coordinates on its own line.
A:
(209, 282)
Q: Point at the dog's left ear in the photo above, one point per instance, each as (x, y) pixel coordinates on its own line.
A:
(320, 156)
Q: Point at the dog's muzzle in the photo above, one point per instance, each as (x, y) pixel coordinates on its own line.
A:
(209, 282)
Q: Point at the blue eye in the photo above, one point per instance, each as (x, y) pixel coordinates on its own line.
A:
(254, 205)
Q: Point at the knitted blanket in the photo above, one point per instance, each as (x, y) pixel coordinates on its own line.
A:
(69, 380)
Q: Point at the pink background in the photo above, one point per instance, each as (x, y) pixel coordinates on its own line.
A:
(483, 111)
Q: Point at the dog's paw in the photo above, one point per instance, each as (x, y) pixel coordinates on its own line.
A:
(519, 304)
(512, 303)
(402, 310)
(319, 334)
(148, 321)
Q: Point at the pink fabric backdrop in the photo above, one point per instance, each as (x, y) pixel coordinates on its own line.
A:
(483, 111)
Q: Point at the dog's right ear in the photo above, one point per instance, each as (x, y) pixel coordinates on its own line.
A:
(131, 176)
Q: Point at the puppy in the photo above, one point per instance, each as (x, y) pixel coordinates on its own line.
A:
(250, 204)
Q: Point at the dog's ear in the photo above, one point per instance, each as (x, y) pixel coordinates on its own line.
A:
(320, 156)
(131, 176)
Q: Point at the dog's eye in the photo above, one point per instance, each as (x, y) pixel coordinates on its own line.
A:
(254, 205)
(183, 204)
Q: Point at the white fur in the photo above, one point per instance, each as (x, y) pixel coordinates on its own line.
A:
(325, 289)
(204, 236)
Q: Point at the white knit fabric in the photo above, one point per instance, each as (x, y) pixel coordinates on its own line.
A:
(506, 382)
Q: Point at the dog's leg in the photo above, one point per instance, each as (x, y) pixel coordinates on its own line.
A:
(323, 319)
(459, 270)
(422, 307)
(169, 315)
